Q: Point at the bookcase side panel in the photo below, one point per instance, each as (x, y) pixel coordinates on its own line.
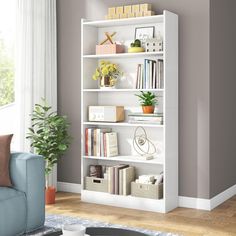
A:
(171, 110)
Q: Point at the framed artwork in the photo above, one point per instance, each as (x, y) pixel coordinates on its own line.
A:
(144, 33)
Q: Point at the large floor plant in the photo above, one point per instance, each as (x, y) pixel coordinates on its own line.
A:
(49, 138)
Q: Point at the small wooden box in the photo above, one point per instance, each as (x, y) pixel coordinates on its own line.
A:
(130, 15)
(147, 190)
(128, 9)
(111, 11)
(138, 14)
(96, 184)
(119, 10)
(145, 7)
(123, 15)
(148, 13)
(109, 49)
(135, 8)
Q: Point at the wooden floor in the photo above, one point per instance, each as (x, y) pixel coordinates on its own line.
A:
(219, 222)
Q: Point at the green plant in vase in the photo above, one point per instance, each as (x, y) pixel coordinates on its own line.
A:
(148, 100)
(107, 73)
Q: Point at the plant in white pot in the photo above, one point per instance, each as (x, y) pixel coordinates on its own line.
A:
(49, 138)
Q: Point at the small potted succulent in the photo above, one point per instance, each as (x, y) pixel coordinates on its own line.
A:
(108, 74)
(136, 47)
(148, 101)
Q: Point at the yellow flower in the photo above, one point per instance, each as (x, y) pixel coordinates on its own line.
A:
(94, 77)
(97, 73)
(105, 71)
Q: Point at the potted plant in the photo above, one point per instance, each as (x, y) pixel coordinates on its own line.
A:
(49, 138)
(107, 73)
(148, 101)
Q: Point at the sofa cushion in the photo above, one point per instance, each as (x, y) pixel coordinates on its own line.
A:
(5, 142)
(13, 212)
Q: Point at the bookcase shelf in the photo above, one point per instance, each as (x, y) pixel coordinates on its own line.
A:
(123, 124)
(122, 90)
(164, 137)
(124, 55)
(159, 160)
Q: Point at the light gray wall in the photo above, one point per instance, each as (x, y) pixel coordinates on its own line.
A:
(193, 85)
(222, 95)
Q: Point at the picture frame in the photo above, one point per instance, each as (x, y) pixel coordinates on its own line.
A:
(144, 33)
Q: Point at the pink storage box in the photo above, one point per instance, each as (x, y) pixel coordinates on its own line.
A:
(109, 49)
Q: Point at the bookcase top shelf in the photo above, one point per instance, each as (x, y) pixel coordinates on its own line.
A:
(122, 124)
(134, 159)
(126, 21)
(124, 55)
(121, 90)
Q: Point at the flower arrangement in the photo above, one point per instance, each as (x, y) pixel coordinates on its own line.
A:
(108, 73)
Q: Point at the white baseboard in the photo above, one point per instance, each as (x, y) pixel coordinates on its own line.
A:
(68, 187)
(222, 197)
(187, 202)
(207, 204)
(196, 203)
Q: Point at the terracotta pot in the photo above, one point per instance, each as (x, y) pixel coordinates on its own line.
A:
(50, 195)
(148, 109)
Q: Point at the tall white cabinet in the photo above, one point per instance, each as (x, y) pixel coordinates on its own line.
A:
(164, 136)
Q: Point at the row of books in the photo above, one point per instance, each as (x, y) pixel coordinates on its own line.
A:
(150, 75)
(155, 118)
(120, 178)
(101, 142)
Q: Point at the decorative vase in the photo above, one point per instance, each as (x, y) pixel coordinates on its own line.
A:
(105, 83)
(50, 195)
(148, 109)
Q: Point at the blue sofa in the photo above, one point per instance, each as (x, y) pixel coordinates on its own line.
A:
(22, 208)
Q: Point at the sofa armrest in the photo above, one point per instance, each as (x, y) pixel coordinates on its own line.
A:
(28, 175)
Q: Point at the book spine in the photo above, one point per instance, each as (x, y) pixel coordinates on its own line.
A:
(89, 142)
(86, 141)
(94, 142)
(98, 142)
(104, 145)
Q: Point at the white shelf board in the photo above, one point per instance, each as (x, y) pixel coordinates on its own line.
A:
(121, 90)
(124, 55)
(126, 21)
(122, 124)
(146, 204)
(135, 159)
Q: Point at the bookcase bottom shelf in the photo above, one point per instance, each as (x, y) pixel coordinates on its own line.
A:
(144, 204)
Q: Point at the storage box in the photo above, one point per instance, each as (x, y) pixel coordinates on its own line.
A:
(109, 49)
(96, 184)
(147, 190)
(145, 7)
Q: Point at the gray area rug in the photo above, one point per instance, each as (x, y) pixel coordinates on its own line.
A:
(57, 221)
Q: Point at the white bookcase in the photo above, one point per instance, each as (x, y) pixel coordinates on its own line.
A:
(164, 136)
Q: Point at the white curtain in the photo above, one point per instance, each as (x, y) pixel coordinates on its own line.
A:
(36, 64)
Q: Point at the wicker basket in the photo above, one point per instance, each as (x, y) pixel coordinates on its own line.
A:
(96, 184)
(147, 190)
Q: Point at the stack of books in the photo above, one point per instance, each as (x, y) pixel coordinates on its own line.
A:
(150, 75)
(101, 142)
(155, 118)
(120, 178)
